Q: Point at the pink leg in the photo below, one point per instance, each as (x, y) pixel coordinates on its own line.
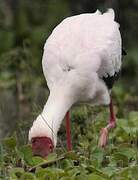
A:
(111, 125)
(68, 132)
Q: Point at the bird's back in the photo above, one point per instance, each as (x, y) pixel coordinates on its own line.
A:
(91, 30)
(77, 37)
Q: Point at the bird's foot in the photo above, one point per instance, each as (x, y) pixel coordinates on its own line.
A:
(103, 137)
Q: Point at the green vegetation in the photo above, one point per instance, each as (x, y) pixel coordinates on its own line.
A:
(119, 160)
(24, 27)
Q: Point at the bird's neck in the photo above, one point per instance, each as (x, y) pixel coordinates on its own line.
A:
(54, 111)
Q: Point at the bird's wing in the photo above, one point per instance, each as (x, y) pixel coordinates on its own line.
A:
(110, 79)
(110, 67)
(111, 62)
(78, 34)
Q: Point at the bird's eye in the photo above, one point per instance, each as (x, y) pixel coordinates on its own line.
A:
(50, 147)
(33, 140)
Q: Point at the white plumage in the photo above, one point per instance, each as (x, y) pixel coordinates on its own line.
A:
(80, 51)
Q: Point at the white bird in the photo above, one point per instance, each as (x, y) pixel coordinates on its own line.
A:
(81, 60)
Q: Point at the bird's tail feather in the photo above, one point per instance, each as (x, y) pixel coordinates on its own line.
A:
(110, 13)
(98, 12)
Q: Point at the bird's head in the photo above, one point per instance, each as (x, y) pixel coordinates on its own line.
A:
(42, 146)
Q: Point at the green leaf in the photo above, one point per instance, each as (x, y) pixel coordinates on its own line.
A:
(16, 173)
(36, 160)
(66, 163)
(74, 172)
(68, 178)
(81, 177)
(120, 159)
(98, 154)
(40, 172)
(125, 173)
(110, 171)
(97, 171)
(26, 153)
(95, 177)
(134, 171)
(10, 143)
(51, 157)
(71, 155)
(128, 152)
(28, 176)
(54, 173)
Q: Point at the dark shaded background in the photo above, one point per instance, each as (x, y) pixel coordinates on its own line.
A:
(24, 27)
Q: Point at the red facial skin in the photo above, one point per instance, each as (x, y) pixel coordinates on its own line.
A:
(42, 146)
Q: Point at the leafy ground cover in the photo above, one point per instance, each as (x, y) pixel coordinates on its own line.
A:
(119, 160)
